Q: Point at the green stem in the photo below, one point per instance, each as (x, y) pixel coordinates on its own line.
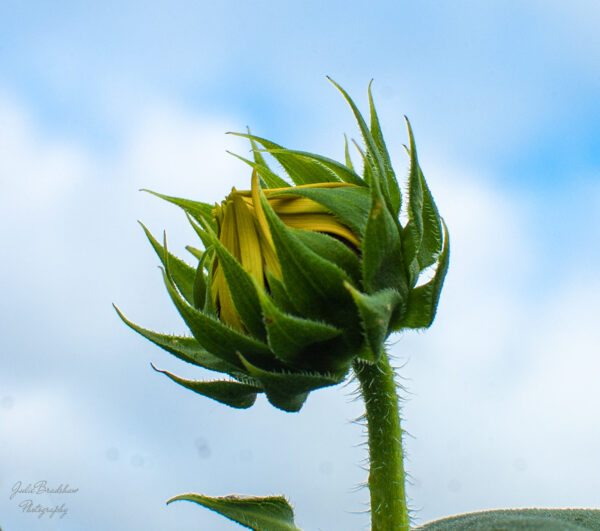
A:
(386, 457)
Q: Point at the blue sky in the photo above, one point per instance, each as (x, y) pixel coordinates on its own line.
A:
(97, 101)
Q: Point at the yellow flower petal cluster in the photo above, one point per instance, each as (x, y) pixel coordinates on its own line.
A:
(244, 232)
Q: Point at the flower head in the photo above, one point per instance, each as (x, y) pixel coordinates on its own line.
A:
(296, 282)
(243, 230)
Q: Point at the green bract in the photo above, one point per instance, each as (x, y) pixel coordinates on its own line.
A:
(296, 282)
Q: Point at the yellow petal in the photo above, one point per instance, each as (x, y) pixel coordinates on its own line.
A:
(227, 312)
(266, 240)
(320, 223)
(294, 205)
(263, 226)
(220, 290)
(250, 250)
(228, 236)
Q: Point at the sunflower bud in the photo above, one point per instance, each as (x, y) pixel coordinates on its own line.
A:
(296, 282)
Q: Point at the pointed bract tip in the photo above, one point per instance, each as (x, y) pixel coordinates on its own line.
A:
(180, 497)
(334, 83)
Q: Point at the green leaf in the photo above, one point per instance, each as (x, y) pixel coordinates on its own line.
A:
(347, 158)
(350, 204)
(186, 349)
(279, 294)
(273, 181)
(423, 300)
(233, 394)
(243, 291)
(286, 390)
(300, 169)
(273, 513)
(200, 284)
(390, 177)
(520, 520)
(375, 311)
(383, 261)
(216, 337)
(332, 250)
(203, 232)
(373, 158)
(201, 212)
(196, 253)
(367, 164)
(209, 304)
(182, 273)
(313, 283)
(343, 173)
(289, 336)
(431, 243)
(423, 232)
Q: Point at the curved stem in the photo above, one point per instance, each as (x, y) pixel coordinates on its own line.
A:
(386, 471)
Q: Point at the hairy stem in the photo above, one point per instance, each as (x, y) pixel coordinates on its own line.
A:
(386, 457)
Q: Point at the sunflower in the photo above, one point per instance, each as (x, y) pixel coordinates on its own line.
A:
(297, 282)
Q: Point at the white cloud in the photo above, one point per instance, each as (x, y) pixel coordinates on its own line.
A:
(37, 173)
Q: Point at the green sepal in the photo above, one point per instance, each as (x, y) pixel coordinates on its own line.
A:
(373, 159)
(207, 237)
(423, 300)
(286, 390)
(390, 177)
(243, 291)
(216, 337)
(182, 273)
(270, 179)
(279, 294)
(376, 311)
(347, 158)
(290, 337)
(300, 170)
(185, 348)
(272, 513)
(195, 252)
(201, 212)
(382, 259)
(333, 250)
(206, 234)
(343, 173)
(367, 171)
(423, 233)
(273, 181)
(520, 520)
(200, 284)
(413, 232)
(313, 283)
(431, 243)
(350, 204)
(233, 394)
(209, 304)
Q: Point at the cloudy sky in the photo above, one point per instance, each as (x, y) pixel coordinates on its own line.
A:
(98, 101)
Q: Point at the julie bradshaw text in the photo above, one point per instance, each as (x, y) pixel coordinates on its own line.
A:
(31, 506)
